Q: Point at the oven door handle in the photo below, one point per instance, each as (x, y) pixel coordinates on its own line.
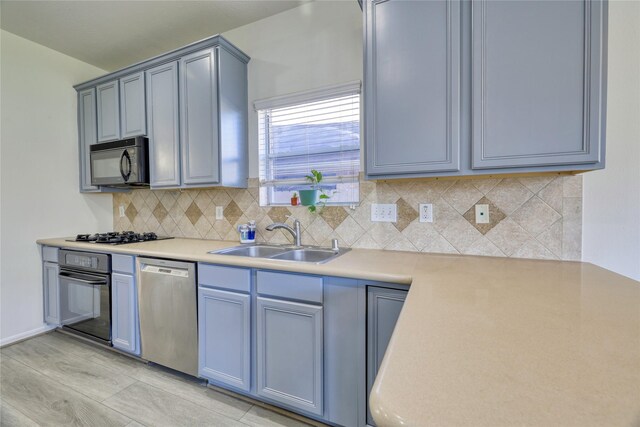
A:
(88, 282)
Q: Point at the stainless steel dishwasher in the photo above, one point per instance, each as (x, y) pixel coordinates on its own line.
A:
(168, 313)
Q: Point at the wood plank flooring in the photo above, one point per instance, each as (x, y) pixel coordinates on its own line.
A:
(55, 380)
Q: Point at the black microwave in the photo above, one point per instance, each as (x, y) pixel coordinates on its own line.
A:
(121, 163)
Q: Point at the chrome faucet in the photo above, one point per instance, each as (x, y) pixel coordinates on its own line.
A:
(295, 231)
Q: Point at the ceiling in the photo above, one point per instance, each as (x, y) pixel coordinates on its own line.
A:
(114, 34)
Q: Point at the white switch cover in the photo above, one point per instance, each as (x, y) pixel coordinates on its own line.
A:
(384, 212)
(219, 212)
(121, 210)
(426, 212)
(482, 214)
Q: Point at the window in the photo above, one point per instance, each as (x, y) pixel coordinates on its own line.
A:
(319, 130)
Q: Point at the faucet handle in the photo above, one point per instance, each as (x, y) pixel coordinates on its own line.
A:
(293, 218)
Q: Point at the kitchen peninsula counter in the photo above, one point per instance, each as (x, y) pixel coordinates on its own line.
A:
(481, 340)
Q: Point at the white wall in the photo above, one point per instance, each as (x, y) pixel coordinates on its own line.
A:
(315, 45)
(611, 218)
(39, 173)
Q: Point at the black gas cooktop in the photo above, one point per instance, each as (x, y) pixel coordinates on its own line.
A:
(115, 238)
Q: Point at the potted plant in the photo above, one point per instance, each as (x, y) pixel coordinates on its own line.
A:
(294, 199)
(315, 195)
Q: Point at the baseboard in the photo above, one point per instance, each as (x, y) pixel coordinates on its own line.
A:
(25, 335)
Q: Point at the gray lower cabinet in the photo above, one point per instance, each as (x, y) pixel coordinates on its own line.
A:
(108, 103)
(51, 288)
(163, 125)
(224, 337)
(412, 86)
(538, 82)
(87, 136)
(133, 120)
(124, 313)
(383, 309)
(289, 354)
(125, 323)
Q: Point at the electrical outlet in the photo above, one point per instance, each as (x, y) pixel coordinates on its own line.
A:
(482, 214)
(219, 212)
(384, 212)
(426, 212)
(121, 211)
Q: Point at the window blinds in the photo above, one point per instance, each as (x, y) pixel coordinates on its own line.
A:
(312, 130)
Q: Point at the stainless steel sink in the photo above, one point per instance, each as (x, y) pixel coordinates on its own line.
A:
(254, 251)
(307, 255)
(283, 253)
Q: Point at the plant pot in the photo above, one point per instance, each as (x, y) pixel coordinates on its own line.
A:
(308, 197)
(294, 201)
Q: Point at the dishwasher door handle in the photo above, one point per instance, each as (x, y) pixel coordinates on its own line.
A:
(169, 271)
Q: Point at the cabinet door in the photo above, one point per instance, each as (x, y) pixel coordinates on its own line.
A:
(412, 86)
(124, 313)
(51, 293)
(108, 111)
(199, 118)
(289, 365)
(383, 309)
(224, 320)
(87, 136)
(133, 118)
(162, 119)
(538, 92)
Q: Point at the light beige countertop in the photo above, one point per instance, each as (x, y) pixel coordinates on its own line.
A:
(483, 341)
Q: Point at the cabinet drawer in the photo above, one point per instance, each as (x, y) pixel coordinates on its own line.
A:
(234, 279)
(291, 286)
(123, 263)
(50, 254)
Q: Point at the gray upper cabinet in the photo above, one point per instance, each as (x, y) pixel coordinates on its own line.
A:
(289, 354)
(484, 87)
(163, 121)
(537, 82)
(133, 120)
(108, 111)
(198, 118)
(192, 105)
(412, 86)
(87, 135)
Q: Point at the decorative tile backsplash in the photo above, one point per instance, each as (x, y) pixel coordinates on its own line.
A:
(530, 217)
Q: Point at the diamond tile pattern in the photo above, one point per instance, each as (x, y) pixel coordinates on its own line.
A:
(495, 216)
(193, 212)
(333, 215)
(531, 217)
(278, 214)
(160, 212)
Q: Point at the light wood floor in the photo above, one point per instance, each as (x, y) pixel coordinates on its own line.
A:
(54, 380)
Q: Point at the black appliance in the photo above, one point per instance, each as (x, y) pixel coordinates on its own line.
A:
(123, 163)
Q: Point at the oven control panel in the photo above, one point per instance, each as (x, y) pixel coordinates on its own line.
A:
(87, 261)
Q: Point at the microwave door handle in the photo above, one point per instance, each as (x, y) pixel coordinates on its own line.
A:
(127, 174)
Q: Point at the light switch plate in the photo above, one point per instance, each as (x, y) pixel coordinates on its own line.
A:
(384, 212)
(482, 214)
(426, 212)
(121, 211)
(219, 212)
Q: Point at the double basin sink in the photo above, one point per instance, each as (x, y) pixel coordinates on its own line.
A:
(310, 254)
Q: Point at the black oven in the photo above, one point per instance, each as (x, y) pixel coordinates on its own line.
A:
(85, 294)
(122, 163)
